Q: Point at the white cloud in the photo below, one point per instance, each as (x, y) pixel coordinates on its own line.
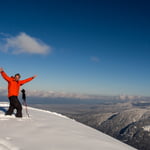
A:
(129, 97)
(55, 94)
(95, 59)
(24, 43)
(5, 34)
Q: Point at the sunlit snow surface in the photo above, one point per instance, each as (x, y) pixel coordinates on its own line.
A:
(45, 130)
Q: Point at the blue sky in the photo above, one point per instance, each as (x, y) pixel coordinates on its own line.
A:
(77, 46)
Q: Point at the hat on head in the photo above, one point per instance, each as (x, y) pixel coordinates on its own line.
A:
(17, 74)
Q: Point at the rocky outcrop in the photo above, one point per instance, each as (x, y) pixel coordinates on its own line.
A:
(119, 121)
(137, 134)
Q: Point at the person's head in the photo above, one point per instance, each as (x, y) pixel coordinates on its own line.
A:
(17, 77)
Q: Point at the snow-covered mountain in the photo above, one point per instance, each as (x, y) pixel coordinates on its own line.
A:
(45, 130)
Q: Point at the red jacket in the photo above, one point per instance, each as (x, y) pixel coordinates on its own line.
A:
(14, 86)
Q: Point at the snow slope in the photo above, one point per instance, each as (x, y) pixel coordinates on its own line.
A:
(46, 130)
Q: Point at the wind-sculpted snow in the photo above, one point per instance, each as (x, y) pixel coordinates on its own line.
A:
(5, 144)
(45, 130)
(53, 113)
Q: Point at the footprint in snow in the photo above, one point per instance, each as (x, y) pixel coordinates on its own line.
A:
(5, 145)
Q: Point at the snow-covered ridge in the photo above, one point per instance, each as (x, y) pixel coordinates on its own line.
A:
(4, 104)
(147, 128)
(45, 130)
(46, 111)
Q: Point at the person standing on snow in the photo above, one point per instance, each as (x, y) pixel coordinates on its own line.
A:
(14, 84)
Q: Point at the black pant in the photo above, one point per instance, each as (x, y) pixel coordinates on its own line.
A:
(14, 104)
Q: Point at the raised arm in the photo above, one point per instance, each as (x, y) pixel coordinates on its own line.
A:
(4, 75)
(27, 80)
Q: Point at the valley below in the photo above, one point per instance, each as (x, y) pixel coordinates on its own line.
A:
(128, 121)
